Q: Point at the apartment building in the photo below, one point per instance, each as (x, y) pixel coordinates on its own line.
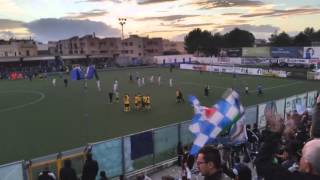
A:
(110, 47)
(86, 45)
(134, 46)
(18, 48)
(89, 45)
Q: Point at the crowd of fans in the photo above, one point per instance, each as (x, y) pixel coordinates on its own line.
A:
(283, 150)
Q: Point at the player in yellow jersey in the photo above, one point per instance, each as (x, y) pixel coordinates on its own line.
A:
(140, 101)
(136, 102)
(144, 101)
(126, 102)
(148, 102)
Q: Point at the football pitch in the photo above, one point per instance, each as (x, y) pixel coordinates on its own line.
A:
(38, 119)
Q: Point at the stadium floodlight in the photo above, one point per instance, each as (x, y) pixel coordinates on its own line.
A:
(122, 22)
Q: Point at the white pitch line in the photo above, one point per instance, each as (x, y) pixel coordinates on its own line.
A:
(42, 96)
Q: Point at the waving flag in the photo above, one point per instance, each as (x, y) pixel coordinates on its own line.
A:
(90, 72)
(208, 123)
(76, 73)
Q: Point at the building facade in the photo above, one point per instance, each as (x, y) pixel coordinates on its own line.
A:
(18, 48)
(133, 47)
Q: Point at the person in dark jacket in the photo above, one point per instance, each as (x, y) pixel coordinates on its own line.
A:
(90, 168)
(67, 172)
(103, 175)
(309, 166)
(315, 126)
(209, 164)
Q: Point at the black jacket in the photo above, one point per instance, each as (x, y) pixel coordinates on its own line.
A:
(270, 171)
(315, 128)
(217, 176)
(68, 174)
(90, 170)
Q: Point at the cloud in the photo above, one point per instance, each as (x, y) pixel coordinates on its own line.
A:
(211, 4)
(231, 14)
(192, 25)
(166, 18)
(6, 35)
(278, 13)
(251, 28)
(56, 29)
(115, 1)
(139, 2)
(260, 32)
(163, 31)
(10, 24)
(86, 15)
(179, 37)
(144, 2)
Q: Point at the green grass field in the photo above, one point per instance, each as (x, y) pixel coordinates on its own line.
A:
(38, 119)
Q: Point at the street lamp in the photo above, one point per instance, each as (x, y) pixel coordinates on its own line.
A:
(122, 21)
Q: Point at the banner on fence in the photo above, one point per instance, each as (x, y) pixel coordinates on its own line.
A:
(256, 52)
(311, 52)
(286, 52)
(109, 156)
(267, 110)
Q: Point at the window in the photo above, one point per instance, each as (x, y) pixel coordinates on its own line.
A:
(130, 43)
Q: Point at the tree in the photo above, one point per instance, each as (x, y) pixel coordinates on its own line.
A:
(281, 40)
(309, 31)
(192, 41)
(301, 40)
(316, 36)
(239, 38)
(207, 46)
(218, 42)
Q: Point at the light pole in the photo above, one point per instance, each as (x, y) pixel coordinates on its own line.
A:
(122, 22)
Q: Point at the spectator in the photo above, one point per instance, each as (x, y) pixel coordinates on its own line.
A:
(167, 178)
(188, 158)
(90, 168)
(315, 127)
(143, 177)
(103, 175)
(46, 174)
(309, 166)
(180, 153)
(242, 172)
(67, 172)
(209, 164)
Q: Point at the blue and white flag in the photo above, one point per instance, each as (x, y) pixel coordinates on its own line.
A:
(90, 72)
(76, 73)
(208, 123)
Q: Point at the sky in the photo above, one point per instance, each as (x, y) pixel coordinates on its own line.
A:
(52, 20)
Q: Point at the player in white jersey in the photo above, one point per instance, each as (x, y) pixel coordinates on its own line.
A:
(159, 80)
(151, 79)
(171, 82)
(54, 82)
(98, 85)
